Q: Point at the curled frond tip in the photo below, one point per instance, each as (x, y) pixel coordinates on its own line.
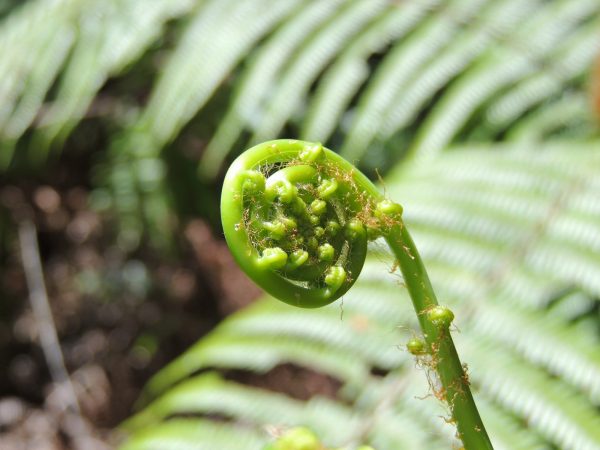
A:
(295, 216)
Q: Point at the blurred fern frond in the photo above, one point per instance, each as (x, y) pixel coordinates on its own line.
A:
(354, 74)
(380, 80)
(504, 232)
(51, 76)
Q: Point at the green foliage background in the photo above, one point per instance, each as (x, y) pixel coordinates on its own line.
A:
(480, 116)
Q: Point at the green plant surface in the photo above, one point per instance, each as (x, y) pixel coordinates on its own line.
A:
(435, 46)
(315, 206)
(395, 79)
(197, 434)
(78, 44)
(296, 217)
(492, 230)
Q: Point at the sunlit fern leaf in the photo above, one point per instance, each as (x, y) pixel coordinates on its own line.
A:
(196, 434)
(257, 79)
(110, 35)
(557, 412)
(15, 64)
(560, 191)
(494, 22)
(389, 399)
(261, 354)
(521, 251)
(334, 422)
(527, 50)
(326, 344)
(389, 79)
(207, 394)
(537, 337)
(390, 101)
(573, 57)
(214, 42)
(406, 401)
(47, 64)
(77, 45)
(369, 74)
(319, 50)
(508, 433)
(563, 350)
(570, 305)
(569, 112)
(20, 70)
(343, 79)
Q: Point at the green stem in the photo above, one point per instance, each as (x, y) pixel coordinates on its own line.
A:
(445, 359)
(356, 205)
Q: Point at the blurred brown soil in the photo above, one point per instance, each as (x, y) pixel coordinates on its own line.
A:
(119, 317)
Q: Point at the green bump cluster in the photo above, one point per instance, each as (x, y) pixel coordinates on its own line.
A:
(296, 222)
(299, 212)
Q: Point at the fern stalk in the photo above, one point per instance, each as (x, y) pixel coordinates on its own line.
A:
(446, 362)
(298, 217)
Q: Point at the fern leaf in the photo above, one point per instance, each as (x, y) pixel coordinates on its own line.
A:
(563, 350)
(574, 57)
(257, 80)
(259, 354)
(498, 68)
(308, 64)
(495, 22)
(570, 111)
(342, 81)
(214, 42)
(195, 434)
(401, 64)
(207, 394)
(556, 411)
(506, 432)
(78, 45)
(106, 44)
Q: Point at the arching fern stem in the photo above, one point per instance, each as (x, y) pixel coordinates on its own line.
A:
(297, 218)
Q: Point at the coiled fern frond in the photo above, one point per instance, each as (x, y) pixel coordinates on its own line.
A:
(295, 216)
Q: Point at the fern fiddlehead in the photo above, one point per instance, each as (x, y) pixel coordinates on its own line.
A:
(297, 218)
(293, 219)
